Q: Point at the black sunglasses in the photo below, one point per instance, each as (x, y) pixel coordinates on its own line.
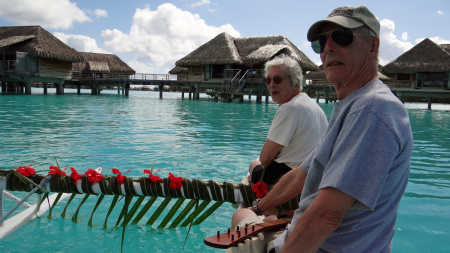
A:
(276, 79)
(341, 37)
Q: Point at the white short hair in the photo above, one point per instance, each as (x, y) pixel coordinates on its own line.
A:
(288, 65)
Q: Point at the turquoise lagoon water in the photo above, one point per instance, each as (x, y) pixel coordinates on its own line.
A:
(203, 139)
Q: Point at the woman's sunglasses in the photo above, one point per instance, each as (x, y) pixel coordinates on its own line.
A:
(276, 79)
(341, 37)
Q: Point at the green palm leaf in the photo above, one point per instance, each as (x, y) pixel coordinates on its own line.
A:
(111, 207)
(134, 209)
(128, 199)
(54, 204)
(207, 213)
(196, 212)
(171, 213)
(183, 213)
(75, 216)
(158, 211)
(63, 214)
(100, 198)
(144, 210)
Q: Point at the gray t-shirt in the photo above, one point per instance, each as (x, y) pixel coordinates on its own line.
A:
(365, 153)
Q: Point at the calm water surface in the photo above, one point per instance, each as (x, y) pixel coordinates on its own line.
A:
(194, 139)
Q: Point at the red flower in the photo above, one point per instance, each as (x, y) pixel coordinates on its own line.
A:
(153, 178)
(93, 176)
(26, 171)
(260, 188)
(120, 179)
(75, 175)
(175, 182)
(56, 171)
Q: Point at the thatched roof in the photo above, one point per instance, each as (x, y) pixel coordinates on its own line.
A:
(37, 42)
(426, 56)
(179, 70)
(320, 75)
(95, 62)
(14, 40)
(219, 50)
(224, 49)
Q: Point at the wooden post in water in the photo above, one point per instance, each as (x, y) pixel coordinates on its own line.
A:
(3, 86)
(118, 89)
(78, 88)
(161, 87)
(197, 92)
(28, 88)
(267, 96)
(182, 93)
(190, 92)
(59, 88)
(45, 88)
(429, 99)
(259, 96)
(249, 96)
(127, 89)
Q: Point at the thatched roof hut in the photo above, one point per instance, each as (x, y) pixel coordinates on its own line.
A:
(37, 42)
(224, 49)
(320, 75)
(179, 70)
(106, 63)
(426, 56)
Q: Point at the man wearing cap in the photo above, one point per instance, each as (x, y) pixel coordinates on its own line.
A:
(352, 183)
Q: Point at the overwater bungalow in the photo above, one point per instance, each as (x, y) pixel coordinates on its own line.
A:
(422, 71)
(32, 54)
(232, 67)
(100, 70)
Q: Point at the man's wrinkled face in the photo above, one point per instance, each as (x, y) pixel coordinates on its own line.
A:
(343, 64)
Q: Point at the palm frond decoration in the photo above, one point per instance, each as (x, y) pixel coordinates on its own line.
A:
(143, 188)
(206, 196)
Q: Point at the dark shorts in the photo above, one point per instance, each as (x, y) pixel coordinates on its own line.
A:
(272, 173)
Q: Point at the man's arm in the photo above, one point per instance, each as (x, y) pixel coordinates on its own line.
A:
(319, 220)
(289, 186)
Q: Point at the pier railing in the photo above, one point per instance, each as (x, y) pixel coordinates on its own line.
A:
(8, 65)
(122, 76)
(151, 77)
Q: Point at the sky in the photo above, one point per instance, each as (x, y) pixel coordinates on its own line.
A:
(150, 36)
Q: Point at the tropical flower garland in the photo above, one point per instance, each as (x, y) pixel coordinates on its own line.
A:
(94, 177)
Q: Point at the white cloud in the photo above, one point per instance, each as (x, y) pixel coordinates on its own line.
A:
(161, 37)
(436, 40)
(405, 36)
(440, 12)
(202, 2)
(390, 46)
(80, 43)
(56, 14)
(99, 13)
(212, 10)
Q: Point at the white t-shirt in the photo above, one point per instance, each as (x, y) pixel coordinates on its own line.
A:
(298, 126)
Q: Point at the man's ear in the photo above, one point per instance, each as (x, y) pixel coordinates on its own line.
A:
(375, 45)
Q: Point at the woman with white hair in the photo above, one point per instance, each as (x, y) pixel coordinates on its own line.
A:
(297, 127)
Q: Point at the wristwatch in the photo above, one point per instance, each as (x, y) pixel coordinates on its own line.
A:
(255, 206)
